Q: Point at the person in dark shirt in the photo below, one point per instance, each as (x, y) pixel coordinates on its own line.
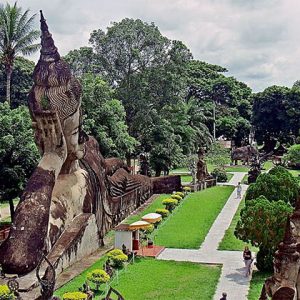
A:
(247, 256)
(224, 296)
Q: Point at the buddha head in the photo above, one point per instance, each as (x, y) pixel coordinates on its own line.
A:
(56, 90)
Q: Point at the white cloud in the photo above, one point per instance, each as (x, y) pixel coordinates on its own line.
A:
(257, 40)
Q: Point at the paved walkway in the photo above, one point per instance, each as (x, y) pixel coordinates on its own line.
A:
(232, 280)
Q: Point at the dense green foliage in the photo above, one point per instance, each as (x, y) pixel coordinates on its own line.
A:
(98, 276)
(117, 258)
(105, 117)
(276, 115)
(293, 156)
(219, 174)
(217, 155)
(276, 185)
(262, 224)
(21, 81)
(230, 241)
(5, 293)
(18, 152)
(16, 37)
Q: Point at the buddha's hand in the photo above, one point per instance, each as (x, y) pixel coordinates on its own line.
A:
(51, 137)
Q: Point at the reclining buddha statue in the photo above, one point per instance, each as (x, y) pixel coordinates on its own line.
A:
(74, 195)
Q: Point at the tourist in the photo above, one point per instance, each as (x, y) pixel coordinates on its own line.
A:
(247, 256)
(239, 190)
(224, 296)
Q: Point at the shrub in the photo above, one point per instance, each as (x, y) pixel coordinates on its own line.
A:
(149, 229)
(117, 257)
(262, 223)
(293, 156)
(163, 212)
(74, 296)
(181, 194)
(187, 189)
(170, 203)
(176, 197)
(5, 293)
(98, 277)
(276, 185)
(219, 174)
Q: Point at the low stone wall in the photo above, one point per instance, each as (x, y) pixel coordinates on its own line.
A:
(166, 184)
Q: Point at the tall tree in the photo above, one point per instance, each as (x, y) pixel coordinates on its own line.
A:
(104, 117)
(21, 81)
(16, 37)
(270, 119)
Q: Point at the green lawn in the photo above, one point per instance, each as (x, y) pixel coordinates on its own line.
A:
(295, 173)
(150, 209)
(191, 223)
(229, 241)
(245, 179)
(268, 165)
(229, 176)
(156, 279)
(186, 178)
(257, 281)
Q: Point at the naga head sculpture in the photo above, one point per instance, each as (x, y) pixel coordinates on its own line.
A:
(56, 97)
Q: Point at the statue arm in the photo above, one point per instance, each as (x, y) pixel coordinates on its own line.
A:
(22, 250)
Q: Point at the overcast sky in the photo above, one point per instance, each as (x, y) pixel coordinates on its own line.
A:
(258, 41)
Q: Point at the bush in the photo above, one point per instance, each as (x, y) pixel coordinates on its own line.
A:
(163, 212)
(5, 293)
(181, 194)
(219, 174)
(187, 189)
(74, 296)
(262, 223)
(293, 156)
(149, 229)
(98, 277)
(276, 185)
(176, 197)
(264, 260)
(170, 203)
(117, 257)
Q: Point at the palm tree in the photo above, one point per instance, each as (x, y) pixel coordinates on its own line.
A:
(16, 37)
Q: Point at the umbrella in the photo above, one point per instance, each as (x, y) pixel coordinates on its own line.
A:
(139, 225)
(152, 217)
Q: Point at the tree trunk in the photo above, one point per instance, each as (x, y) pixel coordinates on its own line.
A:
(8, 83)
(12, 209)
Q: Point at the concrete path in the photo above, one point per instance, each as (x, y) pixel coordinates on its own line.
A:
(232, 280)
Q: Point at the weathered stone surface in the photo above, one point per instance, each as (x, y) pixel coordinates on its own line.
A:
(245, 154)
(166, 184)
(74, 196)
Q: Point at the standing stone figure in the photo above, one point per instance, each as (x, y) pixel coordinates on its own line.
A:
(202, 172)
(74, 196)
(285, 283)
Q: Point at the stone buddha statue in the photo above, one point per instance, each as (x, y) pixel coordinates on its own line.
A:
(74, 194)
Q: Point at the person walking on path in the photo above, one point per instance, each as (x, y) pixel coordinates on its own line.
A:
(224, 296)
(239, 191)
(247, 256)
